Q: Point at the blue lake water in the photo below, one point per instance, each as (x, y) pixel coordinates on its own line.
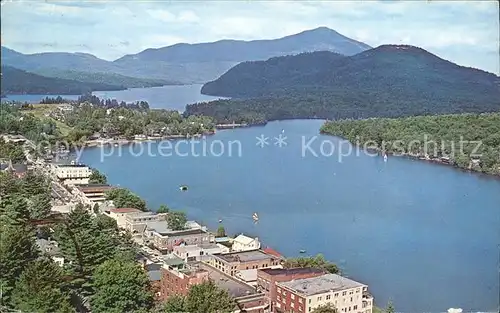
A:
(165, 97)
(424, 235)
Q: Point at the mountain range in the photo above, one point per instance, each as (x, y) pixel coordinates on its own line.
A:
(179, 63)
(388, 81)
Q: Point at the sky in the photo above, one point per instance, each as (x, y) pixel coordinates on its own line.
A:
(464, 32)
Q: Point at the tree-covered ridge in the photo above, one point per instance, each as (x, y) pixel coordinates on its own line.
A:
(388, 81)
(103, 78)
(16, 81)
(409, 136)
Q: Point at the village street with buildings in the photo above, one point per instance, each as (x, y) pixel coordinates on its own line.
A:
(175, 260)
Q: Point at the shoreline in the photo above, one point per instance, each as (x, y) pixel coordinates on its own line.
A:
(421, 158)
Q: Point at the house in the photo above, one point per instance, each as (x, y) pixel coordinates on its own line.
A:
(268, 277)
(118, 214)
(72, 174)
(65, 107)
(19, 169)
(51, 248)
(305, 295)
(232, 263)
(198, 252)
(244, 243)
(14, 138)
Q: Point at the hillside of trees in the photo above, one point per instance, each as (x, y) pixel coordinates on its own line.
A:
(388, 81)
(408, 136)
(16, 81)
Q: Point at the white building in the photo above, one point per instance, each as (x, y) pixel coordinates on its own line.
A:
(244, 243)
(119, 214)
(72, 174)
(197, 252)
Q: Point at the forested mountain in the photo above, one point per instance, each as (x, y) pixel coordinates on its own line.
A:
(187, 63)
(388, 81)
(16, 81)
(412, 135)
(104, 78)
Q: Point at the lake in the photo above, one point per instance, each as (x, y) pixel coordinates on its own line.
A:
(424, 235)
(165, 97)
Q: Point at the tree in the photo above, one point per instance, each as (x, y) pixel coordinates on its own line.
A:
(85, 245)
(221, 232)
(124, 198)
(17, 244)
(176, 220)
(208, 297)
(390, 307)
(39, 289)
(174, 304)
(326, 308)
(317, 261)
(121, 287)
(97, 177)
(163, 209)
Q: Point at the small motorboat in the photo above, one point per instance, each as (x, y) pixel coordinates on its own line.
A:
(183, 188)
(385, 157)
(220, 221)
(255, 217)
(302, 251)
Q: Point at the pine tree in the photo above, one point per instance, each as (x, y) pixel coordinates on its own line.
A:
(85, 246)
(121, 286)
(39, 289)
(17, 244)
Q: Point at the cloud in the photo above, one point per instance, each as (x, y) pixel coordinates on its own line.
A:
(464, 31)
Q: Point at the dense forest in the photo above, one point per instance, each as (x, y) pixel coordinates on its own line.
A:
(388, 81)
(15, 81)
(408, 136)
(103, 78)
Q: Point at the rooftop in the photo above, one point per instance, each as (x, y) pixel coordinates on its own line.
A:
(245, 256)
(290, 271)
(321, 284)
(71, 165)
(244, 239)
(94, 188)
(272, 252)
(234, 287)
(125, 210)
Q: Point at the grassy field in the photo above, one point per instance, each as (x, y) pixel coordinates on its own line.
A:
(42, 111)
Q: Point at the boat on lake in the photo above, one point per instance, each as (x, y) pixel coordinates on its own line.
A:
(385, 157)
(302, 251)
(255, 217)
(183, 188)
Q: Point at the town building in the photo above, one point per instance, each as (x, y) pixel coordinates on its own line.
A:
(65, 107)
(177, 281)
(198, 252)
(164, 239)
(72, 174)
(153, 271)
(136, 223)
(268, 277)
(244, 243)
(92, 193)
(119, 214)
(232, 263)
(304, 295)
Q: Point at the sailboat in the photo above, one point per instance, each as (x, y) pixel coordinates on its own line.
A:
(255, 217)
